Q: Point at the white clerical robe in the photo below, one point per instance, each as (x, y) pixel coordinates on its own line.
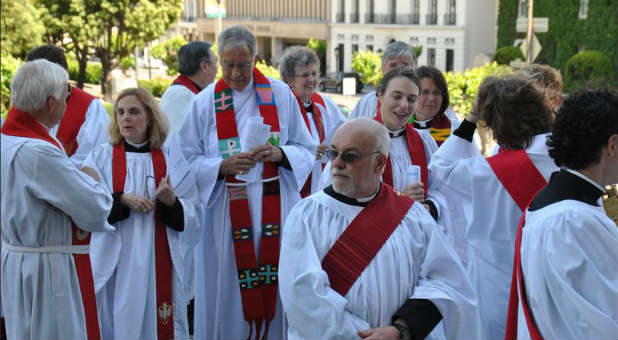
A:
(41, 191)
(366, 106)
(175, 103)
(123, 262)
(332, 118)
(492, 217)
(416, 262)
(569, 259)
(92, 133)
(218, 308)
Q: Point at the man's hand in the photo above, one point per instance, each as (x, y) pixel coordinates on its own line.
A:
(136, 203)
(238, 164)
(320, 152)
(416, 191)
(165, 192)
(383, 333)
(91, 172)
(266, 153)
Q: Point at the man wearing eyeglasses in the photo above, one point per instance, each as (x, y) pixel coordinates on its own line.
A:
(85, 120)
(359, 259)
(247, 142)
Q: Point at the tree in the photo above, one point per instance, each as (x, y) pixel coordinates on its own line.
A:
(22, 28)
(368, 65)
(125, 24)
(167, 51)
(319, 47)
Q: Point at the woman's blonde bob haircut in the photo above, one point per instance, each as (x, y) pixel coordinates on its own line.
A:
(157, 130)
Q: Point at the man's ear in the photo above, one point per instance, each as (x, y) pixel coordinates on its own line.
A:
(50, 103)
(380, 163)
(612, 146)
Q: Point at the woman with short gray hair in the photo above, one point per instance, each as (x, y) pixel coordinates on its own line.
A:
(299, 67)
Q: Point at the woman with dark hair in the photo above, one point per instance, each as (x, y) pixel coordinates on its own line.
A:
(142, 291)
(433, 111)
(494, 191)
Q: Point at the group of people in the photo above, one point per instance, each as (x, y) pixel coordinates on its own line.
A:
(283, 219)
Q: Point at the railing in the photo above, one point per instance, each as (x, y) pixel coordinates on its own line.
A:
(188, 18)
(450, 18)
(370, 18)
(340, 17)
(354, 18)
(415, 19)
(431, 19)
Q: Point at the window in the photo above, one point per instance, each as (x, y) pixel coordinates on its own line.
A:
(370, 48)
(523, 8)
(583, 9)
(370, 16)
(431, 56)
(415, 11)
(450, 59)
(339, 56)
(432, 16)
(450, 18)
(354, 49)
(392, 11)
(341, 13)
(354, 14)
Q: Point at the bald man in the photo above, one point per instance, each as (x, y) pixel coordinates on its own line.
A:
(359, 259)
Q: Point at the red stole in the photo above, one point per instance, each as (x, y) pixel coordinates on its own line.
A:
(163, 258)
(73, 118)
(362, 239)
(517, 281)
(416, 150)
(319, 125)
(21, 124)
(517, 174)
(186, 82)
(257, 278)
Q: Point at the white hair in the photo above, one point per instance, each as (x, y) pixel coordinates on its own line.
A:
(237, 36)
(35, 82)
(372, 127)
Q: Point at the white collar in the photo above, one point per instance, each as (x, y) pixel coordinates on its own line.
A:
(586, 178)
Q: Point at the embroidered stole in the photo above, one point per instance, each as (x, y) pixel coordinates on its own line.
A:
(257, 277)
(73, 118)
(163, 258)
(439, 127)
(319, 125)
(362, 239)
(186, 82)
(416, 150)
(21, 124)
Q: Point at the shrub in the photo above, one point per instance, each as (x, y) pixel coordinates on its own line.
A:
(167, 51)
(156, 86)
(588, 69)
(127, 63)
(94, 73)
(8, 67)
(368, 65)
(268, 70)
(504, 55)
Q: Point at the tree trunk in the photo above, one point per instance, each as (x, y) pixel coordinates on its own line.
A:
(83, 63)
(106, 81)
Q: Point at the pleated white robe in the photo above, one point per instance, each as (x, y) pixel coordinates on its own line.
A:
(366, 106)
(123, 262)
(416, 262)
(492, 217)
(569, 260)
(218, 307)
(41, 191)
(175, 103)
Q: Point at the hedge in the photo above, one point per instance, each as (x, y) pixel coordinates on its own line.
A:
(505, 55)
(588, 69)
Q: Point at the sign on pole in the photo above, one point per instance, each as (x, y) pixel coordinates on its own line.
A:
(534, 51)
(540, 25)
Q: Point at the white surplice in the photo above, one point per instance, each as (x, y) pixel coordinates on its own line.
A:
(492, 217)
(41, 191)
(218, 308)
(366, 106)
(416, 262)
(569, 259)
(92, 133)
(175, 103)
(123, 262)
(331, 119)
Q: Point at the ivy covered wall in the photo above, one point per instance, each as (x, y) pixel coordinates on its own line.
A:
(567, 33)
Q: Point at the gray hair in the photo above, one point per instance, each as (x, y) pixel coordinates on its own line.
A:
(373, 128)
(397, 49)
(237, 36)
(191, 55)
(296, 56)
(35, 82)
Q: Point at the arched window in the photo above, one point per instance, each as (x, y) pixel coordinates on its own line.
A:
(523, 8)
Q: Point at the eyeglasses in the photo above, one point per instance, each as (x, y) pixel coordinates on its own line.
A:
(346, 157)
(427, 92)
(306, 75)
(245, 66)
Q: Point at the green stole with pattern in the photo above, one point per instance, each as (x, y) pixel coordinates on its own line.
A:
(257, 277)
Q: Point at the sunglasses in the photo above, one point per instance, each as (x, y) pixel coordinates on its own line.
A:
(68, 92)
(346, 157)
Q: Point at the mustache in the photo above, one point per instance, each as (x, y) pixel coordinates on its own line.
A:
(338, 172)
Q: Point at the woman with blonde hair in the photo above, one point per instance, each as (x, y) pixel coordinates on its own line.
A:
(138, 273)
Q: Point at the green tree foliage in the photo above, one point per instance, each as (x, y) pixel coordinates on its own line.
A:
(462, 86)
(22, 28)
(268, 70)
(156, 86)
(127, 63)
(504, 55)
(368, 65)
(588, 69)
(167, 51)
(8, 67)
(318, 46)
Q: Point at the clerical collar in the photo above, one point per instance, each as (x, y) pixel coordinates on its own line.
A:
(588, 179)
(139, 148)
(397, 133)
(567, 184)
(308, 107)
(361, 202)
(422, 124)
(197, 86)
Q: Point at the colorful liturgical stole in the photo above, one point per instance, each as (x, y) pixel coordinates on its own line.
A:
(163, 258)
(73, 118)
(439, 127)
(319, 125)
(21, 124)
(257, 277)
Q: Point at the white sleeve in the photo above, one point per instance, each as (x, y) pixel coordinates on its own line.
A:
(454, 165)
(93, 131)
(334, 118)
(313, 309)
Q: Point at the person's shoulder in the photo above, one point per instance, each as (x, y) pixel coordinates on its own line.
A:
(278, 85)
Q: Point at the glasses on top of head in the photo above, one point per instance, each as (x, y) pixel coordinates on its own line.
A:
(426, 92)
(306, 75)
(346, 157)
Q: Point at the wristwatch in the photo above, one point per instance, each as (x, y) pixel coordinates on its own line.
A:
(404, 332)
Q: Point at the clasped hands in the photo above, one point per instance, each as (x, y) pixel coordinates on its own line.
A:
(242, 162)
(138, 203)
